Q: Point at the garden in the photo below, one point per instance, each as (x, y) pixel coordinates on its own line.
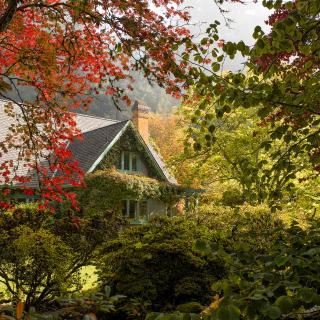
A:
(249, 249)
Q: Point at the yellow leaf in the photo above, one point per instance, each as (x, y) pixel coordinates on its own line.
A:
(213, 306)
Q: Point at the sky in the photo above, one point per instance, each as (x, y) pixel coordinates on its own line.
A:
(245, 18)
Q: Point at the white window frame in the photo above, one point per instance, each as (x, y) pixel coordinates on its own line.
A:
(131, 154)
(137, 209)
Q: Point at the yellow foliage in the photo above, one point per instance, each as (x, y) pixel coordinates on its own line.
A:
(213, 306)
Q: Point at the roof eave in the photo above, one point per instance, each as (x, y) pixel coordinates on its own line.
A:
(108, 148)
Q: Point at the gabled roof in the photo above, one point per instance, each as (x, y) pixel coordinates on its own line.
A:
(95, 144)
(99, 135)
(161, 164)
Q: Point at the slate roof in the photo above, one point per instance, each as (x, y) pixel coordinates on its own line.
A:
(88, 123)
(87, 150)
(98, 134)
(161, 164)
(5, 123)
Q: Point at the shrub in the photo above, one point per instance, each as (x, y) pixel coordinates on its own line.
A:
(35, 265)
(246, 223)
(41, 255)
(272, 274)
(93, 306)
(232, 198)
(158, 262)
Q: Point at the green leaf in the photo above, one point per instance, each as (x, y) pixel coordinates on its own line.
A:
(308, 64)
(257, 31)
(260, 44)
(107, 291)
(285, 304)
(215, 67)
(211, 128)
(202, 245)
(258, 296)
(306, 294)
(273, 312)
(229, 312)
(281, 260)
(241, 46)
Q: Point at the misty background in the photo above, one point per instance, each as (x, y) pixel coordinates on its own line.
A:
(242, 20)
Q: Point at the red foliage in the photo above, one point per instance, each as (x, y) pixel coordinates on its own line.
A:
(64, 50)
(278, 15)
(220, 43)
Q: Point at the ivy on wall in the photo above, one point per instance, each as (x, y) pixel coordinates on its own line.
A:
(107, 188)
(129, 142)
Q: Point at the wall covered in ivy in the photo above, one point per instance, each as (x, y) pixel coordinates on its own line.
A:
(107, 188)
(129, 142)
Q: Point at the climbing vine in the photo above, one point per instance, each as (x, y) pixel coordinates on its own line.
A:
(107, 188)
(129, 142)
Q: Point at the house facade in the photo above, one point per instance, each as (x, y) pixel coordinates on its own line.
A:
(118, 157)
(123, 149)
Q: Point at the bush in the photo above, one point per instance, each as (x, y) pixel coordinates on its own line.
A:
(232, 198)
(158, 262)
(93, 306)
(41, 256)
(35, 264)
(281, 283)
(246, 223)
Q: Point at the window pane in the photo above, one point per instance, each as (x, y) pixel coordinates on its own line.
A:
(126, 161)
(124, 207)
(134, 163)
(143, 210)
(132, 209)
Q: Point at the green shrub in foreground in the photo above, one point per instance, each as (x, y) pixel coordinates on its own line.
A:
(158, 262)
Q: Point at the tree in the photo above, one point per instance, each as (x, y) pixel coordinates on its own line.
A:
(281, 81)
(232, 157)
(41, 257)
(64, 51)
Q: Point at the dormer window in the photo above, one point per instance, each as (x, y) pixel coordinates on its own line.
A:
(128, 161)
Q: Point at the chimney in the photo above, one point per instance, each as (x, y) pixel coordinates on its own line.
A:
(140, 118)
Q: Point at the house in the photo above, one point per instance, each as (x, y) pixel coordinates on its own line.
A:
(118, 156)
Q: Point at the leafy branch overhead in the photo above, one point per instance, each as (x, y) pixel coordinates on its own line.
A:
(280, 81)
(66, 51)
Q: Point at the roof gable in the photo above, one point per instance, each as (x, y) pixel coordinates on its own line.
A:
(96, 145)
(99, 136)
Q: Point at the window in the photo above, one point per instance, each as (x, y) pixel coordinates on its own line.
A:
(135, 210)
(134, 162)
(128, 161)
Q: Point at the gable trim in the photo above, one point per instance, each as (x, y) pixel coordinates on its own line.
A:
(116, 138)
(103, 154)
